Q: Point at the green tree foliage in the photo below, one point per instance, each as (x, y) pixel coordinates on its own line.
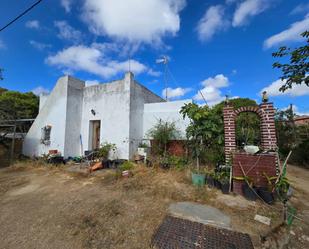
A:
(2, 90)
(16, 105)
(286, 131)
(292, 137)
(297, 69)
(206, 125)
(204, 133)
(247, 123)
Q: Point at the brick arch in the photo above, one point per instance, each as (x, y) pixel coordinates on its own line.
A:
(265, 111)
(254, 109)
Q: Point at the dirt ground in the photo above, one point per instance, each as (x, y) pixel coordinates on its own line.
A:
(48, 207)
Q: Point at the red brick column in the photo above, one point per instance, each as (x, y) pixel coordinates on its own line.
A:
(229, 132)
(268, 129)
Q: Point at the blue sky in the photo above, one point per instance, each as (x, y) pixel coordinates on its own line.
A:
(216, 47)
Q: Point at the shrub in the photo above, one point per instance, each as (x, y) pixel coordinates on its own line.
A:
(127, 165)
(292, 137)
(177, 162)
(105, 149)
(162, 133)
(204, 131)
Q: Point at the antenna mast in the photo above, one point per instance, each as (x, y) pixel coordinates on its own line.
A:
(164, 60)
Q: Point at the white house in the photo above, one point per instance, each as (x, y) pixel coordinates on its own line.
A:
(74, 118)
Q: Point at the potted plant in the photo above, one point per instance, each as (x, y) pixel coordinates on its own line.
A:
(266, 193)
(225, 182)
(217, 182)
(248, 189)
(210, 179)
(105, 150)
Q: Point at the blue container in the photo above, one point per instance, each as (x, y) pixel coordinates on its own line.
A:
(198, 179)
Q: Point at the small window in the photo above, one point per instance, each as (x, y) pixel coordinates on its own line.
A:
(45, 138)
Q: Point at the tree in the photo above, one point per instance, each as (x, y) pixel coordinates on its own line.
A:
(292, 137)
(16, 105)
(206, 125)
(296, 71)
(247, 123)
(205, 130)
(287, 134)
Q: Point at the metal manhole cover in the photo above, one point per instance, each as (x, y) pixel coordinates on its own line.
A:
(176, 233)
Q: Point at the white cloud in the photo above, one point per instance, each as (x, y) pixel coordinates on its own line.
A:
(173, 93)
(218, 81)
(135, 21)
(154, 73)
(301, 8)
(211, 91)
(248, 9)
(67, 32)
(211, 94)
(39, 45)
(40, 90)
(92, 60)
(293, 33)
(296, 90)
(213, 21)
(66, 4)
(91, 82)
(34, 24)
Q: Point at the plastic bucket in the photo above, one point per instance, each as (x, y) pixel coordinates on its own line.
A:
(198, 179)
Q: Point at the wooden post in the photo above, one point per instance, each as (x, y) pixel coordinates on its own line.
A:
(13, 145)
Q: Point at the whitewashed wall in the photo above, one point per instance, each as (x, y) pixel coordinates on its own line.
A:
(126, 109)
(53, 113)
(111, 102)
(139, 95)
(168, 112)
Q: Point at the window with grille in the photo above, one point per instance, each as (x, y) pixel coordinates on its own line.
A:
(45, 138)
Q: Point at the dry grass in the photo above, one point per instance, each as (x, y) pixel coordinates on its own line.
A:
(104, 210)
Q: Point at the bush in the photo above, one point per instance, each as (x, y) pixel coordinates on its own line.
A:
(162, 133)
(292, 137)
(300, 155)
(177, 162)
(127, 165)
(105, 149)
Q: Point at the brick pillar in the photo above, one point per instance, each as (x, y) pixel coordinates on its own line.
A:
(268, 129)
(229, 132)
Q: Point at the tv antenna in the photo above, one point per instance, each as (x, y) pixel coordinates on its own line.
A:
(164, 61)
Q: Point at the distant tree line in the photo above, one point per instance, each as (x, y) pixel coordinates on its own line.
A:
(17, 105)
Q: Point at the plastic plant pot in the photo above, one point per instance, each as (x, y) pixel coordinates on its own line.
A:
(266, 195)
(225, 188)
(198, 179)
(249, 194)
(210, 181)
(217, 184)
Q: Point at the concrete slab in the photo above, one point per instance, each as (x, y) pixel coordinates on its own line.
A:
(200, 213)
